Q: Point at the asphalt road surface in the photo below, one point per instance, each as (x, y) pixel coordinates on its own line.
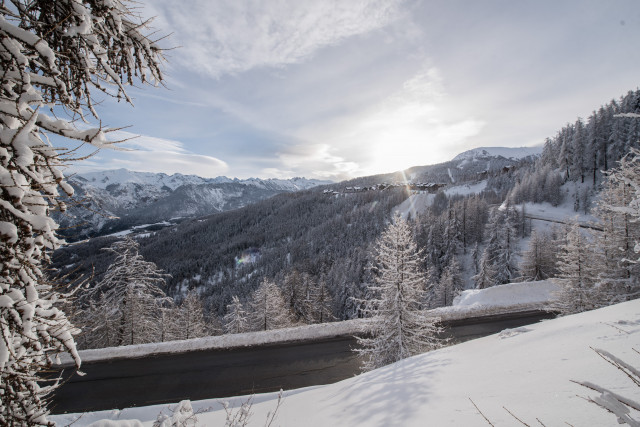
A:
(208, 374)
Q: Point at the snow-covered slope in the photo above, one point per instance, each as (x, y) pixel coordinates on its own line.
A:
(506, 152)
(119, 199)
(527, 371)
(419, 202)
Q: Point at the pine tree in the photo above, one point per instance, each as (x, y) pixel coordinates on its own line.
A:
(294, 292)
(269, 309)
(53, 55)
(450, 284)
(399, 325)
(235, 321)
(502, 247)
(167, 326)
(485, 277)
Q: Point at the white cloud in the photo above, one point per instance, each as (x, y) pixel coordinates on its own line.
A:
(414, 126)
(151, 154)
(232, 36)
(311, 160)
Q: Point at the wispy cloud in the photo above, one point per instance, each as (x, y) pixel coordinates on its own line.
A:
(416, 125)
(150, 154)
(311, 160)
(232, 36)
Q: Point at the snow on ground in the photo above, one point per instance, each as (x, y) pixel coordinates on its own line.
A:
(467, 189)
(562, 213)
(509, 298)
(475, 302)
(319, 331)
(514, 153)
(540, 292)
(528, 371)
(414, 204)
(418, 203)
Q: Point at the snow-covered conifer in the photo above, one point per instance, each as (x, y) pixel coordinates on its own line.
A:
(190, 322)
(576, 275)
(235, 321)
(450, 284)
(321, 303)
(399, 325)
(619, 275)
(52, 53)
(502, 246)
(269, 309)
(99, 325)
(132, 289)
(485, 276)
(539, 260)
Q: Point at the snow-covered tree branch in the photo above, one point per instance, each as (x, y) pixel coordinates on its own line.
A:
(53, 56)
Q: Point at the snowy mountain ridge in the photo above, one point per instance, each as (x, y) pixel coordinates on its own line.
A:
(511, 153)
(104, 179)
(120, 199)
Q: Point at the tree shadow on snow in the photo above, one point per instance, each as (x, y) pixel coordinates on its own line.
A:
(389, 395)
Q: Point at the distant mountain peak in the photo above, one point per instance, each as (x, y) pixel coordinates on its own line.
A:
(122, 177)
(512, 153)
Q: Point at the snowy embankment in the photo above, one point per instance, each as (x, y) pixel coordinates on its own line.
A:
(527, 371)
(472, 303)
(510, 298)
(320, 331)
(558, 214)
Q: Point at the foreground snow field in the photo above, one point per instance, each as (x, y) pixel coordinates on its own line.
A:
(526, 370)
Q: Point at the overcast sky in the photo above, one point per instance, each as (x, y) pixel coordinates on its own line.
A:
(344, 88)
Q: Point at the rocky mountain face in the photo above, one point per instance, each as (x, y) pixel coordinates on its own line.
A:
(111, 201)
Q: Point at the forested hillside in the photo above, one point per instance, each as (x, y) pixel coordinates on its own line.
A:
(314, 248)
(305, 240)
(111, 201)
(582, 152)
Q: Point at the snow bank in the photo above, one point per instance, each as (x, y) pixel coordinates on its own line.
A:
(534, 293)
(475, 302)
(510, 298)
(307, 332)
(528, 371)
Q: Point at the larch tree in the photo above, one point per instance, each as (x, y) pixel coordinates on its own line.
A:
(236, 320)
(398, 324)
(619, 273)
(269, 309)
(99, 324)
(320, 303)
(190, 321)
(132, 289)
(539, 260)
(576, 275)
(53, 56)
